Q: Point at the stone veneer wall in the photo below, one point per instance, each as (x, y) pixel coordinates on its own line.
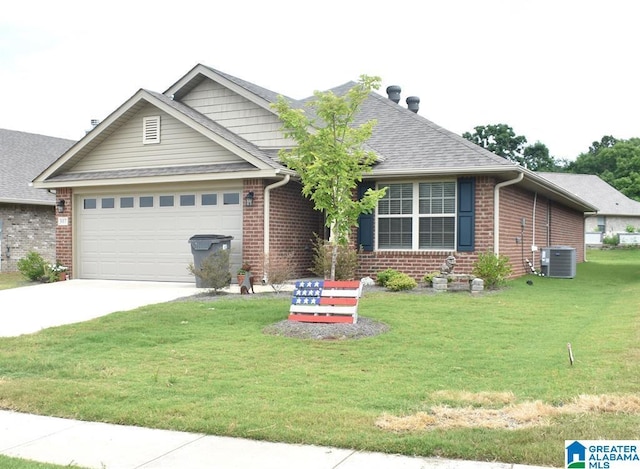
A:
(26, 228)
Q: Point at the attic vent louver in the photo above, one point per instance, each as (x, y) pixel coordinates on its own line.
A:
(151, 130)
(393, 92)
(413, 103)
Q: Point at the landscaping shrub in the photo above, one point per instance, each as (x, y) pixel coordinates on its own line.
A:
(32, 266)
(214, 270)
(630, 229)
(401, 282)
(347, 263)
(428, 278)
(612, 240)
(383, 277)
(493, 269)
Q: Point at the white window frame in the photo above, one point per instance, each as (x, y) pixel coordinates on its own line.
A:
(415, 216)
(150, 130)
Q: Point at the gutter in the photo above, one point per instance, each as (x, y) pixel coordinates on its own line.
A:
(265, 217)
(496, 210)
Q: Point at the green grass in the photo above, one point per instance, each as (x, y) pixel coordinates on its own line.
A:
(15, 463)
(207, 367)
(13, 280)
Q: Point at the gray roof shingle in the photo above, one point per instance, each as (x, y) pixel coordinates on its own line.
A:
(597, 192)
(22, 157)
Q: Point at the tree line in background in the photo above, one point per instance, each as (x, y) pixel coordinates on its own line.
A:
(617, 162)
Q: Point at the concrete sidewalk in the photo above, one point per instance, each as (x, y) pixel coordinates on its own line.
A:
(106, 446)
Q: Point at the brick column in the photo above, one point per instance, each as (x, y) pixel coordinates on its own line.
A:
(64, 230)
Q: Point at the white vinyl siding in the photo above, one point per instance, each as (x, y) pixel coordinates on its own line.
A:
(149, 241)
(417, 216)
(180, 145)
(241, 116)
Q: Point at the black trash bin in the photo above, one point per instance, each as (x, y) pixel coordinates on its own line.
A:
(203, 245)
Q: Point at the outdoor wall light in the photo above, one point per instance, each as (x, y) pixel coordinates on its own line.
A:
(249, 198)
(60, 205)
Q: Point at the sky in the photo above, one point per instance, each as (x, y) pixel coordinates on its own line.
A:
(562, 72)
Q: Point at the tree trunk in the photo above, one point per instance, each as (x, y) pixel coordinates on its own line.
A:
(334, 260)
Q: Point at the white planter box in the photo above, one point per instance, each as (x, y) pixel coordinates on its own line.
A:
(629, 238)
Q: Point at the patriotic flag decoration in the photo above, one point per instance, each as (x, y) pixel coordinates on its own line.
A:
(325, 301)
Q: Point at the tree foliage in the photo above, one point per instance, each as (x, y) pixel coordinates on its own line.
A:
(330, 157)
(503, 141)
(617, 162)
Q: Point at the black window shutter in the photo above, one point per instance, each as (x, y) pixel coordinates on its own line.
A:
(466, 214)
(365, 221)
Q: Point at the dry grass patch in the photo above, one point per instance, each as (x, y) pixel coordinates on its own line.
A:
(509, 417)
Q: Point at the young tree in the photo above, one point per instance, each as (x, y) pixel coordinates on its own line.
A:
(330, 157)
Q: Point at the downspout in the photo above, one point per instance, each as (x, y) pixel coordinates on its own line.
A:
(496, 210)
(265, 217)
(533, 226)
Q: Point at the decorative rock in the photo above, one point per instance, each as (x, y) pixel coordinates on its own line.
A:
(477, 285)
(439, 284)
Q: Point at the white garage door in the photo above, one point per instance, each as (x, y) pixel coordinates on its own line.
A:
(144, 236)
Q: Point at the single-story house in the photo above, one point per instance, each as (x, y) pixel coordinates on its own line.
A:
(202, 158)
(616, 211)
(27, 218)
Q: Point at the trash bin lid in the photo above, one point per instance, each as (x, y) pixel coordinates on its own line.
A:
(203, 242)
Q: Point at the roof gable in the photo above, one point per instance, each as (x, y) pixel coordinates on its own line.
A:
(245, 151)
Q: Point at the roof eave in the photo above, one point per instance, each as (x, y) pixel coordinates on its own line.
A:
(27, 202)
(252, 174)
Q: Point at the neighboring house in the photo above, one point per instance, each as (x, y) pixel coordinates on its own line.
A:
(27, 219)
(616, 211)
(202, 158)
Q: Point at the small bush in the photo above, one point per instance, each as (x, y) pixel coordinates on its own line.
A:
(346, 265)
(32, 266)
(428, 278)
(383, 277)
(401, 282)
(612, 240)
(493, 269)
(214, 270)
(279, 269)
(630, 229)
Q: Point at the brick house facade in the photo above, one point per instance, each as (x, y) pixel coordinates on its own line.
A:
(214, 167)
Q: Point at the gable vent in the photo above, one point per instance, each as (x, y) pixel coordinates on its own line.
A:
(151, 129)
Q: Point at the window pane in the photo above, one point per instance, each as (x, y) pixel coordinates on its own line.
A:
(126, 202)
(146, 201)
(437, 233)
(209, 199)
(231, 198)
(394, 233)
(108, 202)
(398, 200)
(187, 200)
(166, 201)
(89, 203)
(437, 197)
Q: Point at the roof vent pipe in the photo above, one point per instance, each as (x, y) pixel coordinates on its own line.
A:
(413, 103)
(393, 92)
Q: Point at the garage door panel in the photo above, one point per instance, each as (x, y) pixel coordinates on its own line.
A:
(150, 243)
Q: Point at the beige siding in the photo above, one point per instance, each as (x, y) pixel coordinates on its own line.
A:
(179, 145)
(236, 113)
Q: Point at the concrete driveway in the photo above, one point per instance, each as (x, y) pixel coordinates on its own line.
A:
(29, 309)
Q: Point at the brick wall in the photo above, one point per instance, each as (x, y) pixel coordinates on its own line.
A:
(64, 251)
(554, 225)
(292, 225)
(26, 228)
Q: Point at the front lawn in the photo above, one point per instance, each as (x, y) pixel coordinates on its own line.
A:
(207, 367)
(15, 463)
(13, 280)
